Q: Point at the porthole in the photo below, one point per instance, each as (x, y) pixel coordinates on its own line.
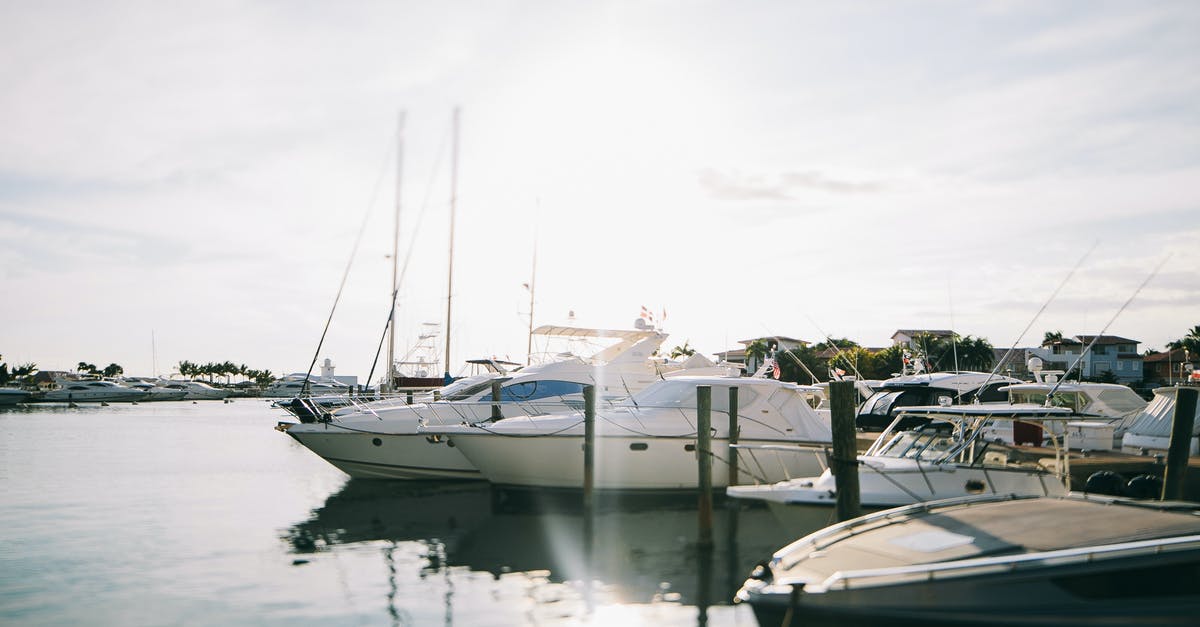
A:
(689, 447)
(638, 446)
(376, 441)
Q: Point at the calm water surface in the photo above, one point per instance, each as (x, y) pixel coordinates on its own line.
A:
(201, 513)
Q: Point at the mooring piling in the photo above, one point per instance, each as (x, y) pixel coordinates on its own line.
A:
(844, 463)
(1181, 444)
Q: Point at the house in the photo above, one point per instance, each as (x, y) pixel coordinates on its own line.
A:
(774, 343)
(1109, 354)
(907, 336)
(1171, 367)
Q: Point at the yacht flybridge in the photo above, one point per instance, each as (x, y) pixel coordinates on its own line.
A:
(384, 443)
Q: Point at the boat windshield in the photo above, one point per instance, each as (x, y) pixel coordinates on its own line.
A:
(1071, 400)
(930, 442)
(468, 391)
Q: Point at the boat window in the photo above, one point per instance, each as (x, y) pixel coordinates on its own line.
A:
(784, 400)
(889, 402)
(928, 442)
(992, 393)
(1070, 400)
(1122, 400)
(533, 390)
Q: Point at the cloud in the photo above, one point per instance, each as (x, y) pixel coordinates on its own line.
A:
(785, 186)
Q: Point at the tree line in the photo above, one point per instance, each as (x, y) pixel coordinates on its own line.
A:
(225, 369)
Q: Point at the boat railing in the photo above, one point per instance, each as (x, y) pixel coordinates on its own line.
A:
(873, 577)
(775, 454)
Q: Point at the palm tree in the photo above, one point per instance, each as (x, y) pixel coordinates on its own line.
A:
(682, 351)
(84, 366)
(1051, 337)
(756, 353)
(1191, 341)
(24, 373)
(113, 370)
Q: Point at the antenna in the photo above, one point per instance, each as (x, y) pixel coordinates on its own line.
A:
(836, 348)
(1050, 394)
(450, 274)
(390, 377)
(953, 335)
(533, 284)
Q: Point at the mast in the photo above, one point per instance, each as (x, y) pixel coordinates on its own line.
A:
(390, 378)
(532, 287)
(453, 200)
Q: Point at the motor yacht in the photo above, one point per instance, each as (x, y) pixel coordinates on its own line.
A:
(196, 390)
(384, 443)
(153, 389)
(648, 442)
(955, 451)
(294, 385)
(91, 391)
(990, 560)
(12, 396)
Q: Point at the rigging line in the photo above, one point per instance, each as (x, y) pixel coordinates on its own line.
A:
(412, 242)
(1088, 348)
(304, 388)
(953, 335)
(836, 348)
(1053, 295)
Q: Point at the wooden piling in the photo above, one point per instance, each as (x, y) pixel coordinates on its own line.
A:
(408, 397)
(733, 436)
(704, 462)
(844, 463)
(1181, 444)
(589, 483)
(496, 414)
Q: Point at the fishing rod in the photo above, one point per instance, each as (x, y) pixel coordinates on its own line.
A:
(836, 348)
(1045, 304)
(1050, 394)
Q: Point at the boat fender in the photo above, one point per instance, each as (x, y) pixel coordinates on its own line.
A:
(1105, 482)
(1144, 487)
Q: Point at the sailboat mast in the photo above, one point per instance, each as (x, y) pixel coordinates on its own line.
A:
(390, 378)
(453, 200)
(532, 287)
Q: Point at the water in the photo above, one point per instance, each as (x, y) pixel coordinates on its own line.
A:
(201, 514)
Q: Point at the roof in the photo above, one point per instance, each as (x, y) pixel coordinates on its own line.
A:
(933, 332)
(625, 334)
(1176, 355)
(1106, 339)
(777, 338)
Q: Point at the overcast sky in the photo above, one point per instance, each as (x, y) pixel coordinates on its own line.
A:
(187, 180)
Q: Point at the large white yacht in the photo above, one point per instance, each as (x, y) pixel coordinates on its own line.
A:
(384, 443)
(12, 396)
(928, 388)
(1150, 429)
(91, 391)
(195, 390)
(153, 389)
(294, 384)
(649, 441)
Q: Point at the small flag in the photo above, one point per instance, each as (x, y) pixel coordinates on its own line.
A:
(775, 370)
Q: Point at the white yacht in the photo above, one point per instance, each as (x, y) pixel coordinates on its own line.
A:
(648, 442)
(957, 451)
(195, 390)
(1150, 429)
(12, 396)
(91, 391)
(294, 384)
(990, 560)
(385, 444)
(153, 388)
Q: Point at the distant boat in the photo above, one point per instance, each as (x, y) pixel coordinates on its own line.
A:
(1150, 430)
(933, 388)
(11, 396)
(294, 384)
(153, 389)
(196, 390)
(91, 391)
(990, 560)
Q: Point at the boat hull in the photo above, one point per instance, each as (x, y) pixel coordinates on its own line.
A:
(384, 455)
(622, 463)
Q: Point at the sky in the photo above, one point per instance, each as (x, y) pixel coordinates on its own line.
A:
(201, 181)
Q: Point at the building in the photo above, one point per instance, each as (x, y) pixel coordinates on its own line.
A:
(1171, 367)
(1109, 354)
(773, 343)
(907, 336)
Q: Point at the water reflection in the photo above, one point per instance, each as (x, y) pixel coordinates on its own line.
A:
(644, 548)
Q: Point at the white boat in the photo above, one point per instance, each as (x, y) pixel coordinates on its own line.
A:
(990, 560)
(384, 443)
(11, 396)
(1150, 429)
(958, 451)
(195, 390)
(91, 391)
(153, 388)
(294, 385)
(931, 388)
(649, 441)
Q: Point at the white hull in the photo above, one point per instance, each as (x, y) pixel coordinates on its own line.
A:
(622, 463)
(93, 396)
(384, 455)
(890, 486)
